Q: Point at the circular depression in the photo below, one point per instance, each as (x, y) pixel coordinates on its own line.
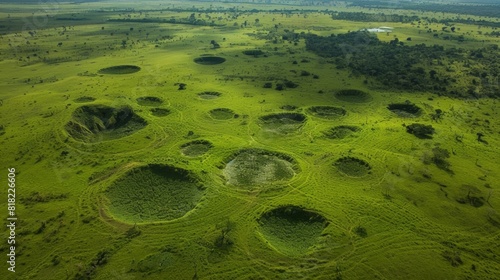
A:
(153, 193)
(149, 101)
(209, 60)
(196, 148)
(282, 123)
(120, 69)
(353, 96)
(94, 123)
(209, 95)
(341, 131)
(292, 230)
(327, 112)
(160, 112)
(222, 114)
(251, 167)
(353, 167)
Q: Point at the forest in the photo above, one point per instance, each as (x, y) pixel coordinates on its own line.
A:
(396, 65)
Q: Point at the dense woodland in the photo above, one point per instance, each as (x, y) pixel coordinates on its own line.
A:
(394, 65)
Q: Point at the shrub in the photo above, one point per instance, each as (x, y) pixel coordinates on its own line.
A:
(420, 130)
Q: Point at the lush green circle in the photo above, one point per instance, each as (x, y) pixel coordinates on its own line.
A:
(353, 96)
(209, 95)
(96, 123)
(120, 69)
(153, 193)
(327, 112)
(353, 167)
(196, 148)
(160, 112)
(292, 230)
(209, 60)
(251, 167)
(222, 114)
(282, 123)
(341, 131)
(149, 101)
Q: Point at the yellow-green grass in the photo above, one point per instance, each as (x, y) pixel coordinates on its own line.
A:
(407, 206)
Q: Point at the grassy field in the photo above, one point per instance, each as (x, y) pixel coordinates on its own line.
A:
(144, 151)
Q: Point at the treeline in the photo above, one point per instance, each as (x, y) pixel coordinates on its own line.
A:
(380, 17)
(170, 20)
(395, 65)
(489, 10)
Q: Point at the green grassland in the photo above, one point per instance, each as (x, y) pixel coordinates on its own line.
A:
(136, 161)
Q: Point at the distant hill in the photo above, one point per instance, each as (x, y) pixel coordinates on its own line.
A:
(37, 1)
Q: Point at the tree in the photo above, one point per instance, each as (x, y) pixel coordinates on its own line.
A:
(214, 44)
(439, 158)
(223, 241)
(421, 131)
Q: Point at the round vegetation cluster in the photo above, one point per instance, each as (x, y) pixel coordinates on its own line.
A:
(353, 96)
(288, 107)
(327, 112)
(251, 167)
(120, 69)
(160, 112)
(196, 148)
(153, 193)
(222, 114)
(209, 95)
(85, 99)
(292, 230)
(149, 101)
(407, 109)
(209, 60)
(341, 131)
(282, 123)
(253, 52)
(353, 167)
(94, 123)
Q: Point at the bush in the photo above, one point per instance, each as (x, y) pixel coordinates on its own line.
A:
(420, 130)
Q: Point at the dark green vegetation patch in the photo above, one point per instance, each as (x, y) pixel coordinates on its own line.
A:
(341, 131)
(160, 112)
(149, 101)
(292, 230)
(209, 60)
(120, 69)
(353, 167)
(327, 112)
(154, 193)
(196, 148)
(250, 167)
(407, 109)
(222, 114)
(99, 123)
(84, 99)
(353, 96)
(253, 52)
(420, 130)
(209, 95)
(282, 123)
